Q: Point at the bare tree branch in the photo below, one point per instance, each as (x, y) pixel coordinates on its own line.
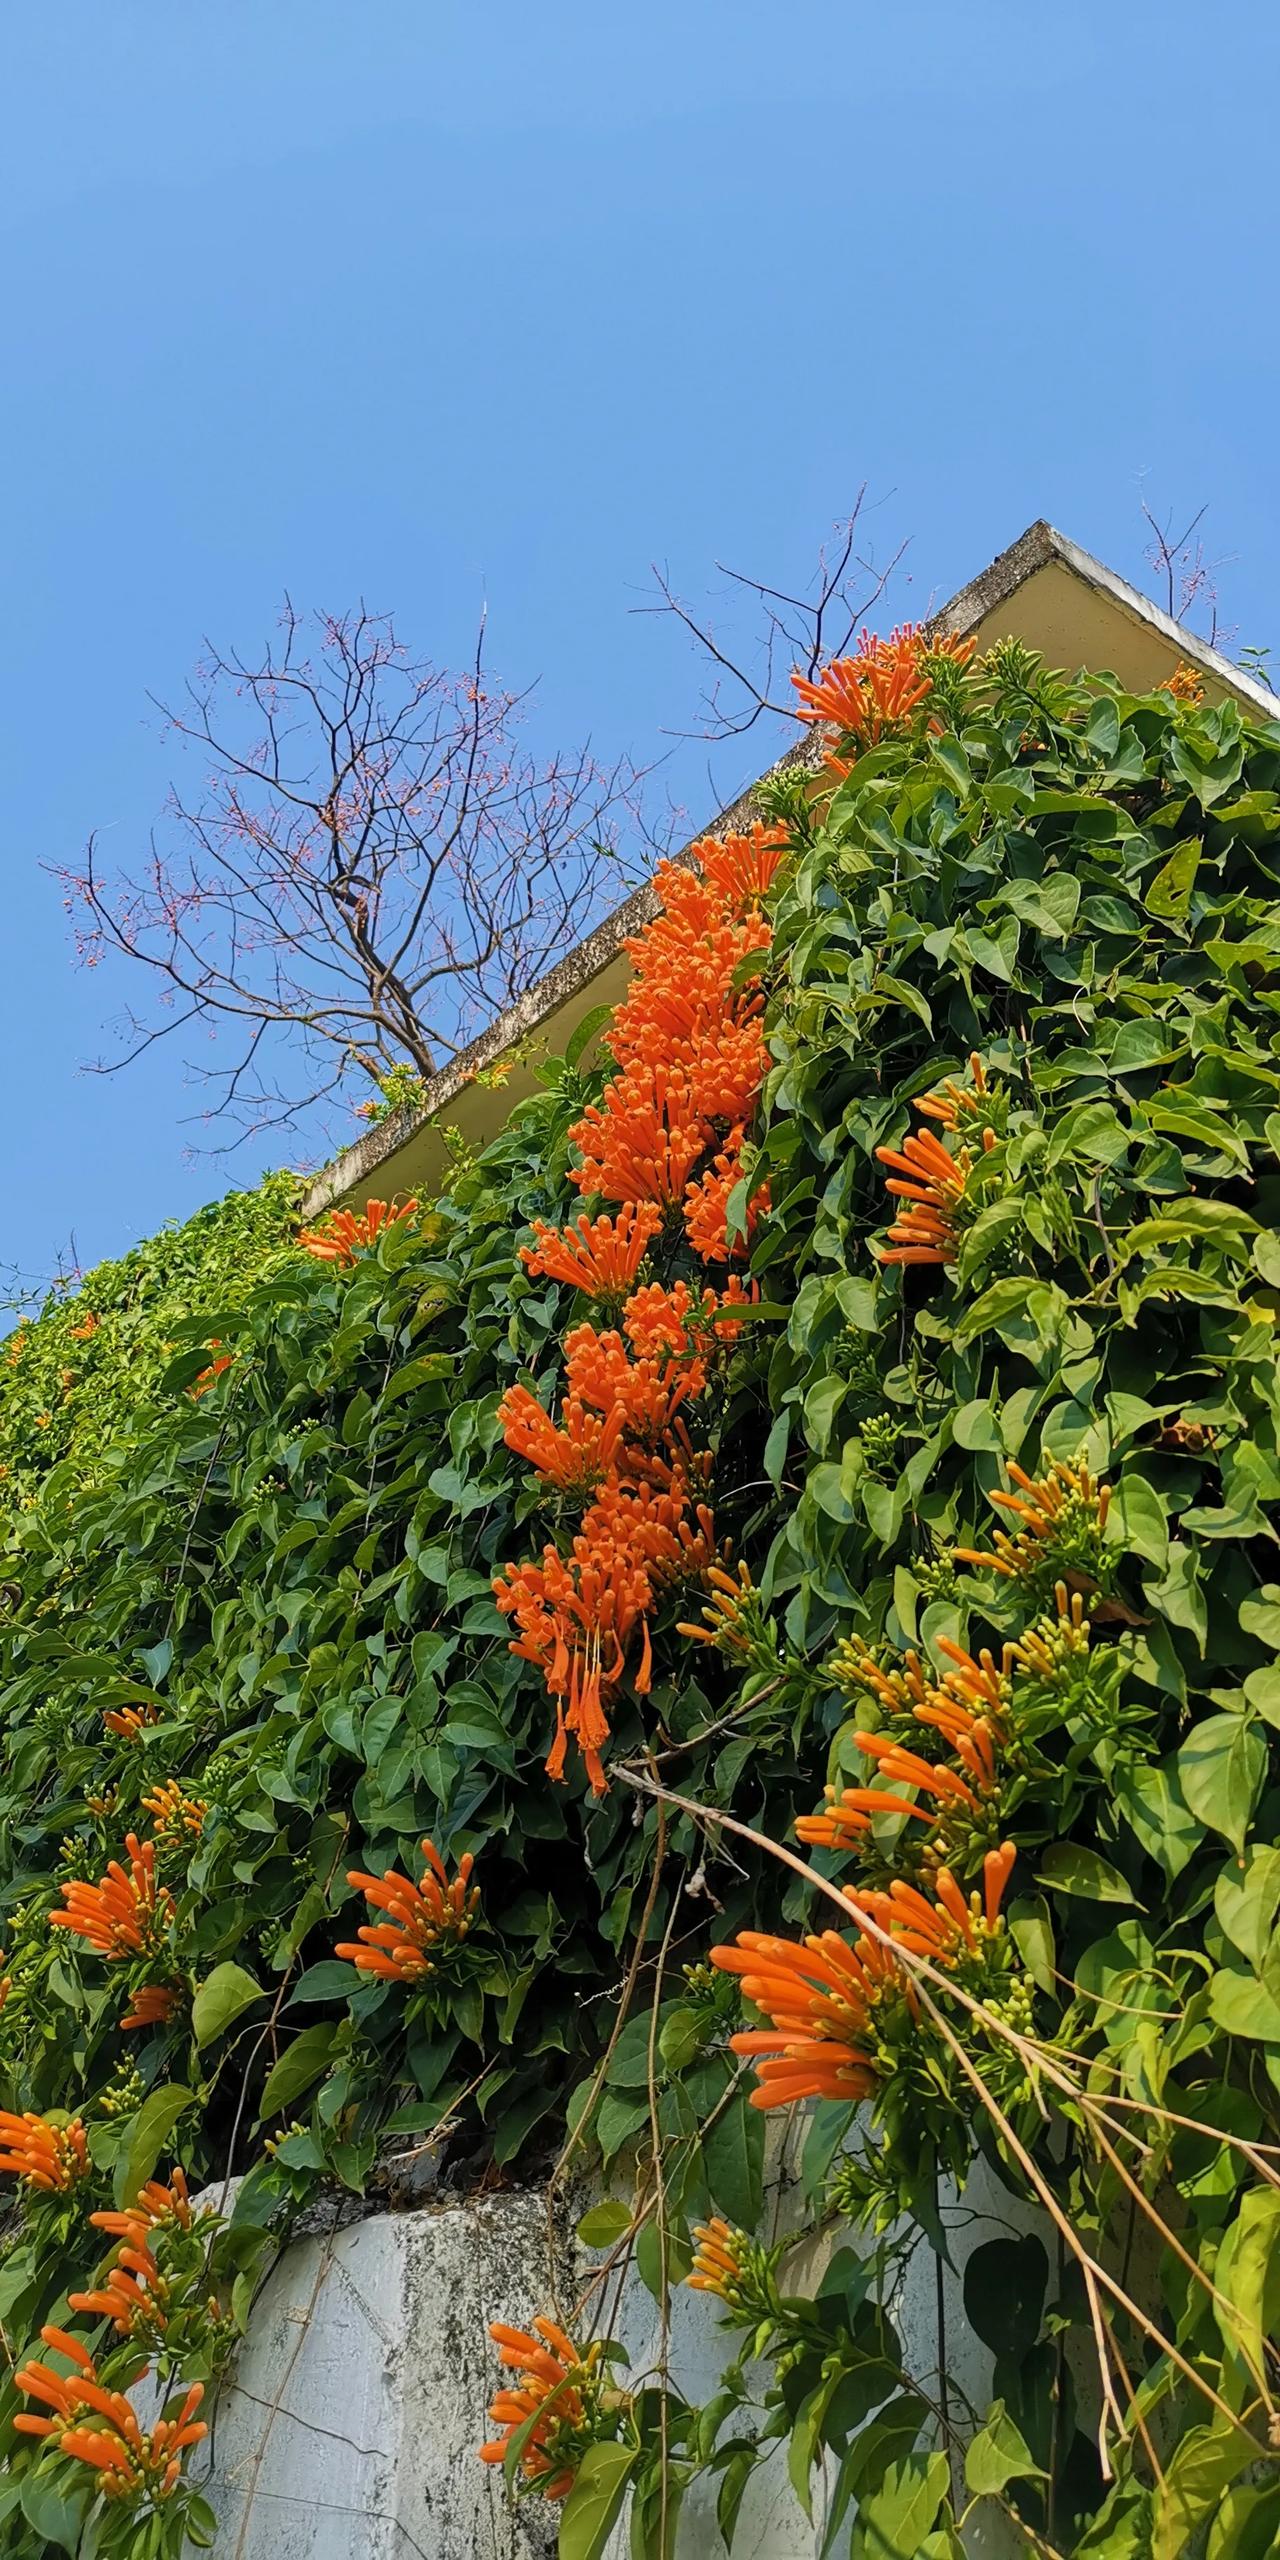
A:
(794, 632)
(371, 866)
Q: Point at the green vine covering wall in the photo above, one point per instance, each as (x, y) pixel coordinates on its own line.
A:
(991, 1612)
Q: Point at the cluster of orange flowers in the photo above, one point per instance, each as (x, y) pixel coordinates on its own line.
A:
(929, 1178)
(348, 1232)
(98, 2427)
(665, 1146)
(550, 2377)
(49, 2157)
(1066, 1502)
(821, 1994)
(127, 1914)
(423, 1919)
(872, 695)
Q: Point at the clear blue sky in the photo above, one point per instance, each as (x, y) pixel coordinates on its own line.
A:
(419, 301)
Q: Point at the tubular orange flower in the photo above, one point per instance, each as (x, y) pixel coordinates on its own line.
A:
(688, 1042)
(1185, 684)
(818, 1997)
(656, 1319)
(1063, 1515)
(347, 1232)
(706, 1208)
(98, 2427)
(905, 1768)
(849, 1814)
(424, 1920)
(129, 1722)
(867, 695)
(926, 1230)
(86, 1329)
(172, 1811)
(160, 2200)
(741, 868)
(151, 2006)
(573, 1458)
(957, 1102)
(52, 2157)
(820, 1994)
(551, 2377)
(132, 2295)
(718, 2259)
(599, 1256)
(124, 1915)
(209, 1377)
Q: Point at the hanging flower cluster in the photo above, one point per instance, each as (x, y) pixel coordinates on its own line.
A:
(832, 2004)
(348, 1232)
(128, 1917)
(48, 2157)
(423, 1921)
(562, 2391)
(98, 2427)
(873, 695)
(666, 1146)
(1062, 1532)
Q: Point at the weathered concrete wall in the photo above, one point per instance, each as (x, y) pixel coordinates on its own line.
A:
(348, 2428)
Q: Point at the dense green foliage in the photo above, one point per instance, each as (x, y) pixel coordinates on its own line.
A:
(291, 1576)
(73, 1378)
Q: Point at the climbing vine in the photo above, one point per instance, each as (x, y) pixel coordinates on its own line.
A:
(852, 1419)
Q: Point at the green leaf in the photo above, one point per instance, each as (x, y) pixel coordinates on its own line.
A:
(1246, 1899)
(1243, 2006)
(1004, 2288)
(1222, 1765)
(604, 2223)
(1169, 895)
(1070, 1868)
(1031, 1929)
(147, 2136)
(1048, 905)
(1260, 1614)
(1247, 2277)
(996, 1306)
(1202, 2467)
(733, 2161)
(55, 2511)
(220, 1999)
(893, 2521)
(1092, 1134)
(298, 2066)
(998, 2454)
(1137, 1520)
(1247, 2525)
(581, 1039)
(1190, 1222)
(594, 2503)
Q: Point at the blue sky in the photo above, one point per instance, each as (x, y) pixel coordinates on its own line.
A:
(424, 303)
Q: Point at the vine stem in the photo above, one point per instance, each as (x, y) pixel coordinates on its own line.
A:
(922, 1972)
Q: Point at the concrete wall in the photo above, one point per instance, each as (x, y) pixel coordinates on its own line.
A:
(347, 2430)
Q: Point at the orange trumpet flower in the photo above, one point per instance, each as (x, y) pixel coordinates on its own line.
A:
(152, 2006)
(52, 2157)
(126, 1914)
(98, 2427)
(160, 2200)
(348, 1232)
(599, 1256)
(549, 2374)
(424, 1919)
(717, 2262)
